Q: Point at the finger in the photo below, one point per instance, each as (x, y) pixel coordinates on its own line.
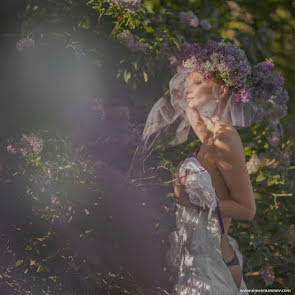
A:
(176, 179)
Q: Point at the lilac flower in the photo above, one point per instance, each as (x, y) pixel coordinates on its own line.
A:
(268, 87)
(274, 138)
(188, 19)
(127, 38)
(242, 95)
(253, 164)
(24, 151)
(11, 149)
(24, 43)
(130, 5)
(205, 24)
(35, 142)
(268, 276)
(171, 55)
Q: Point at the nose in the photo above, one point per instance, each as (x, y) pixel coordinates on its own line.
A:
(187, 91)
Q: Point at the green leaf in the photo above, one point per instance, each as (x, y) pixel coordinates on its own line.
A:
(260, 177)
(127, 76)
(145, 76)
(19, 262)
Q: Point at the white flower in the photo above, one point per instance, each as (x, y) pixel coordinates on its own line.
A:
(35, 142)
(253, 164)
(205, 24)
(11, 149)
(23, 43)
(130, 5)
(187, 19)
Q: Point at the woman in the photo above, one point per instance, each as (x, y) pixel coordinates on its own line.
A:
(214, 90)
(222, 155)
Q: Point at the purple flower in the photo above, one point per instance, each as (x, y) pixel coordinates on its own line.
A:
(127, 38)
(274, 138)
(205, 24)
(242, 95)
(268, 276)
(188, 19)
(268, 91)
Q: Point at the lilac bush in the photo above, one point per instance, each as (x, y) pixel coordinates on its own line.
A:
(267, 90)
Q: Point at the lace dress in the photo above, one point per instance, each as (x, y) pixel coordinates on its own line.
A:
(195, 247)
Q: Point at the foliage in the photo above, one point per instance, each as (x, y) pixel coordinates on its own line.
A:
(67, 196)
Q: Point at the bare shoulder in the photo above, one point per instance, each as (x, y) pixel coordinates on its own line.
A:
(227, 142)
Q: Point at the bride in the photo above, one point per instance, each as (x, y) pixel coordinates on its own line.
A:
(210, 94)
(222, 155)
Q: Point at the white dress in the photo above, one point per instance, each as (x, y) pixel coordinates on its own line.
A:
(195, 246)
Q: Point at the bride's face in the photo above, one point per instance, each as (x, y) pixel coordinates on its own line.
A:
(199, 92)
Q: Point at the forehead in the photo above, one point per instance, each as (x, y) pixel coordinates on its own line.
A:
(194, 75)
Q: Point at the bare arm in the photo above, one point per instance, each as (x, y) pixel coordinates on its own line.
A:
(230, 160)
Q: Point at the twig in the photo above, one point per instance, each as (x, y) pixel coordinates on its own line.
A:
(146, 159)
(184, 176)
(282, 195)
(130, 168)
(100, 15)
(117, 26)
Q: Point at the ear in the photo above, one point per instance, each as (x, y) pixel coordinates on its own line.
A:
(223, 90)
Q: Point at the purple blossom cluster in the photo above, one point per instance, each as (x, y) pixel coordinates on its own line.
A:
(267, 90)
(225, 61)
(24, 43)
(127, 38)
(171, 54)
(188, 19)
(205, 24)
(130, 5)
(261, 86)
(268, 276)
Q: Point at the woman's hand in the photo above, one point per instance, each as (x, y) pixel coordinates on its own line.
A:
(179, 189)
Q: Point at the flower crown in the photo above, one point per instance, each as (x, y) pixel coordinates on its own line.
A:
(228, 62)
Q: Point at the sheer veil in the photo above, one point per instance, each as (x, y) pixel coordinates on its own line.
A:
(168, 121)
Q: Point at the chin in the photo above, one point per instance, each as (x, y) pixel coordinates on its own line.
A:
(193, 104)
